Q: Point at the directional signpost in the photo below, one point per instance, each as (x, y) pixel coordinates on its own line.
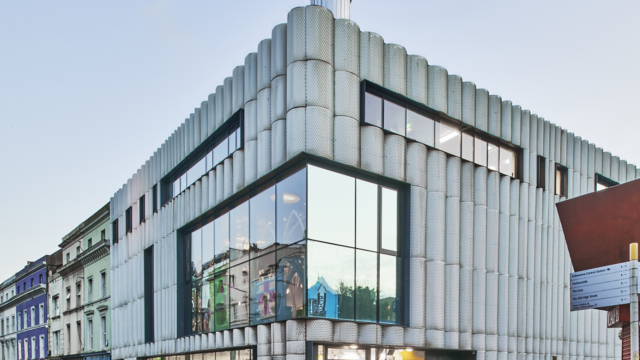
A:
(601, 287)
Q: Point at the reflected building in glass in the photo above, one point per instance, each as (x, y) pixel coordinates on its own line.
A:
(336, 198)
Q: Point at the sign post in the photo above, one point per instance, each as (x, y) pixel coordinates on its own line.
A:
(601, 287)
(633, 256)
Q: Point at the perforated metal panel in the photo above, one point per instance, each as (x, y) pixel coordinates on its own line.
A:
(371, 148)
(347, 94)
(250, 77)
(371, 57)
(296, 35)
(250, 161)
(238, 170)
(319, 330)
(495, 115)
(346, 140)
(435, 294)
(228, 98)
(347, 46)
(417, 78)
(295, 330)
(264, 64)
(251, 121)
(345, 332)
(417, 301)
(395, 68)
(414, 337)
(482, 109)
(437, 88)
(264, 335)
(394, 156)
(506, 121)
(279, 98)
(393, 335)
(369, 334)
(238, 337)
(295, 347)
(454, 98)
(264, 110)
(452, 298)
(319, 131)
(238, 89)
(469, 103)
(436, 226)
(279, 50)
(278, 143)
(319, 84)
(296, 85)
(295, 132)
(435, 338)
(436, 171)
(319, 34)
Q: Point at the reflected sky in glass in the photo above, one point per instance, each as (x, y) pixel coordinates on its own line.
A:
(394, 118)
(420, 128)
(221, 241)
(389, 219)
(366, 285)
(291, 194)
(388, 287)
(263, 220)
(373, 109)
(331, 279)
(239, 233)
(366, 215)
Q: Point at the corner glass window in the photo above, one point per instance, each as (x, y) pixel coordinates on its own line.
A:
(239, 233)
(263, 221)
(290, 281)
(366, 286)
(239, 295)
(394, 118)
(263, 289)
(447, 139)
(420, 128)
(373, 109)
(291, 194)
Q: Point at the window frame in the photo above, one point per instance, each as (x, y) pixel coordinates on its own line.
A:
(564, 181)
(129, 219)
(141, 209)
(114, 231)
(438, 117)
(541, 172)
(604, 181)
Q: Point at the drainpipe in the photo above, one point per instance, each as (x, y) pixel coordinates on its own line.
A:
(339, 8)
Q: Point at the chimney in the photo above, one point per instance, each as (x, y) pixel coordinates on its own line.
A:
(339, 8)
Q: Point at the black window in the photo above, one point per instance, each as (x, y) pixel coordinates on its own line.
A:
(89, 243)
(114, 232)
(129, 220)
(141, 204)
(148, 295)
(603, 182)
(541, 166)
(40, 278)
(154, 198)
(103, 235)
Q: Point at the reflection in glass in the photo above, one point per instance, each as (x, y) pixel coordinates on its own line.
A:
(389, 219)
(481, 152)
(330, 292)
(291, 194)
(210, 160)
(263, 221)
(241, 354)
(394, 117)
(352, 354)
(238, 139)
(388, 288)
(196, 308)
(221, 242)
(232, 143)
(207, 249)
(492, 157)
(223, 355)
(366, 215)
(194, 357)
(196, 172)
(366, 285)
(210, 356)
(220, 298)
(331, 206)
(290, 281)
(448, 139)
(558, 190)
(373, 109)
(263, 289)
(420, 128)
(239, 233)
(206, 305)
(239, 295)
(507, 162)
(467, 147)
(196, 254)
(220, 152)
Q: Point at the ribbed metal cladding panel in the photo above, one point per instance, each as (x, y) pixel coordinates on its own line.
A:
(264, 64)
(570, 149)
(491, 305)
(533, 134)
(219, 183)
(437, 88)
(631, 172)
(264, 110)
(238, 170)
(540, 138)
(204, 124)
(414, 337)
(482, 109)
(505, 120)
(319, 330)
(395, 68)
(371, 148)
(319, 131)
(345, 332)
(495, 115)
(296, 85)
(219, 106)
(371, 57)
(480, 239)
(264, 153)
(417, 300)
(546, 139)
(417, 68)
(394, 156)
(479, 303)
(279, 98)
(347, 46)
(577, 153)
(228, 98)
(295, 131)
(452, 217)
(251, 121)
(319, 84)
(212, 188)
(417, 227)
(435, 295)
(319, 34)
(436, 226)
(466, 234)
(513, 304)
(454, 98)
(469, 103)
(452, 298)
(416, 167)
(278, 143)
(606, 164)
(466, 300)
(347, 94)
(278, 50)
(622, 171)
(525, 128)
(250, 77)
(552, 143)
(558, 144)
(238, 89)
(492, 251)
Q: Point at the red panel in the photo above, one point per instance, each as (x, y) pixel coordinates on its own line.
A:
(600, 226)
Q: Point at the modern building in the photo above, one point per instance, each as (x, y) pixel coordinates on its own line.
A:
(80, 296)
(30, 285)
(8, 320)
(337, 198)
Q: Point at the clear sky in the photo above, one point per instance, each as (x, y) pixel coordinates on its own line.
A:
(89, 90)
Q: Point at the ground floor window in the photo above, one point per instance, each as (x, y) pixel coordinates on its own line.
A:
(240, 354)
(356, 352)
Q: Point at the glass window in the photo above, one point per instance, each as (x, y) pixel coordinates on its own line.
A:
(183, 182)
(221, 241)
(366, 215)
(223, 355)
(239, 295)
(373, 109)
(492, 156)
(389, 288)
(196, 172)
(196, 308)
(263, 221)
(241, 354)
(480, 155)
(330, 273)
(239, 233)
(220, 152)
(207, 356)
(331, 206)
(467, 147)
(207, 250)
(290, 281)
(558, 181)
(366, 285)
(394, 117)
(448, 139)
(196, 254)
(238, 139)
(220, 299)
(389, 219)
(206, 305)
(291, 208)
(420, 128)
(210, 163)
(507, 162)
(263, 289)
(232, 143)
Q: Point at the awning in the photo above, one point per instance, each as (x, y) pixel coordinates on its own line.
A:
(599, 227)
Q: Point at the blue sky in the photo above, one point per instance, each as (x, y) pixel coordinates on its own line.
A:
(88, 90)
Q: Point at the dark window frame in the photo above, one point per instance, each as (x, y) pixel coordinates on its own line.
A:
(149, 306)
(605, 181)
(154, 198)
(114, 231)
(294, 164)
(141, 209)
(436, 116)
(541, 172)
(564, 181)
(235, 122)
(129, 220)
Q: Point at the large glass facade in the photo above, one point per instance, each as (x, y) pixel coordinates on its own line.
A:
(240, 354)
(275, 256)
